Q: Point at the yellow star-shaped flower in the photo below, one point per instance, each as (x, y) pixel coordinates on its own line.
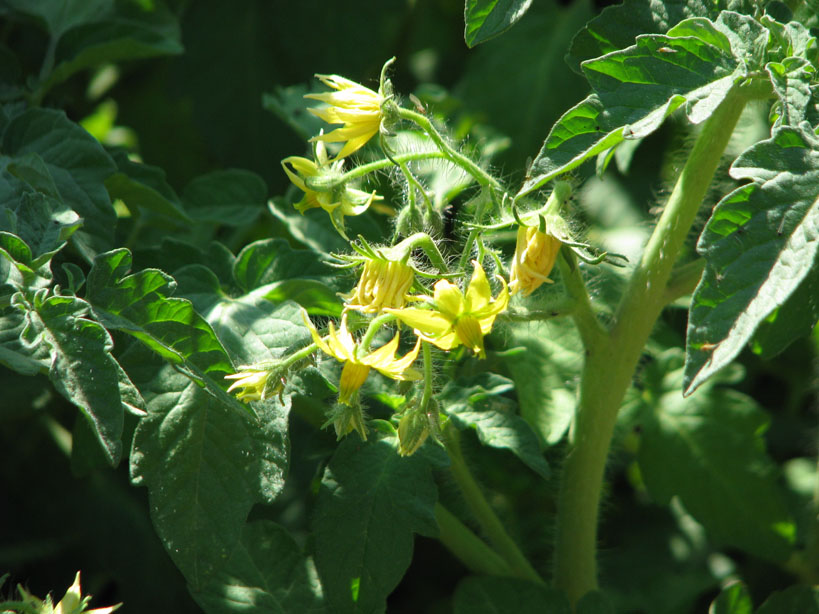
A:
(337, 201)
(457, 318)
(351, 104)
(341, 346)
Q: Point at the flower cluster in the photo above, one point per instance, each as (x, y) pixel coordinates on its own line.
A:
(454, 315)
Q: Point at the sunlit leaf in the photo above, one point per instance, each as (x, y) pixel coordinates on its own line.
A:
(760, 244)
(485, 19)
(733, 599)
(692, 67)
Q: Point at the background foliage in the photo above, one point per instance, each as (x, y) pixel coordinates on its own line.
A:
(185, 277)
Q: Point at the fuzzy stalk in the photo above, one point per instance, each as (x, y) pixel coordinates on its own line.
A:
(611, 361)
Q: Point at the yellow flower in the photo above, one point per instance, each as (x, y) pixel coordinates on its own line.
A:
(341, 346)
(535, 255)
(383, 284)
(251, 383)
(457, 318)
(355, 106)
(337, 200)
(72, 603)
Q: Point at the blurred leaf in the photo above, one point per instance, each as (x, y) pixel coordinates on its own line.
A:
(370, 504)
(205, 464)
(594, 602)
(266, 574)
(693, 66)
(760, 244)
(545, 375)
(793, 600)
(475, 403)
(91, 32)
(485, 19)
(232, 197)
(291, 107)
(81, 366)
(492, 595)
(733, 599)
(143, 186)
(522, 104)
(708, 450)
(55, 154)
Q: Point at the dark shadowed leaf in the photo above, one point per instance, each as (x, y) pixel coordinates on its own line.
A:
(232, 197)
(69, 161)
(267, 573)
(371, 502)
(707, 449)
(476, 403)
(204, 462)
(793, 600)
(81, 366)
(492, 595)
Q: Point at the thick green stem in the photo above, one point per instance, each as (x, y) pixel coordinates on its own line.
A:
(378, 165)
(610, 364)
(504, 545)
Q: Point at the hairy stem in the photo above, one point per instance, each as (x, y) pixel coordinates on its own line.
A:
(470, 549)
(610, 363)
(504, 545)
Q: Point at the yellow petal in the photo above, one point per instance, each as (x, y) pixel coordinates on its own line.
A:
(497, 306)
(427, 321)
(315, 334)
(448, 299)
(479, 292)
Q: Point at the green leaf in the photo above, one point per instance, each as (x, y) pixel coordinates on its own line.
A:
(55, 154)
(475, 403)
(708, 450)
(144, 186)
(793, 600)
(233, 197)
(139, 305)
(81, 366)
(13, 354)
(291, 107)
(617, 26)
(485, 19)
(791, 82)
(125, 31)
(760, 244)
(733, 599)
(521, 103)
(251, 328)
(545, 373)
(205, 464)
(492, 595)
(31, 207)
(692, 67)
(795, 319)
(370, 503)
(59, 17)
(266, 574)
